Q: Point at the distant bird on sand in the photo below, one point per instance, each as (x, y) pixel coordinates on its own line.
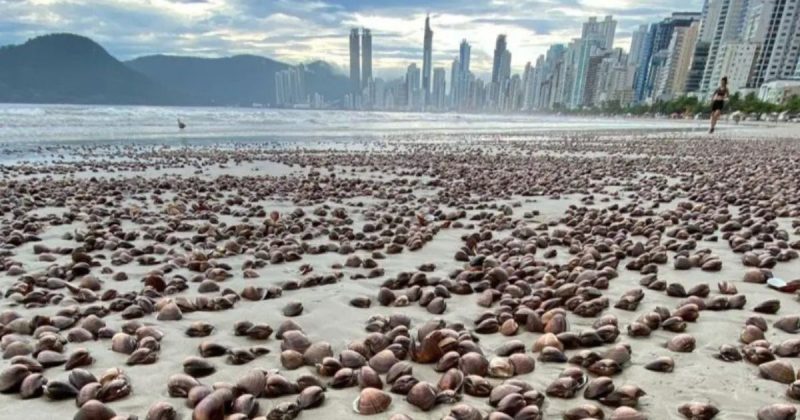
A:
(181, 125)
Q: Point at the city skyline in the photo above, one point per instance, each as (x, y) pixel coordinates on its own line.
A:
(749, 42)
(302, 31)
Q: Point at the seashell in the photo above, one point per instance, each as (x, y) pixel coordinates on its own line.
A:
(464, 412)
(584, 411)
(473, 363)
(253, 382)
(605, 367)
(661, 364)
(291, 359)
(397, 370)
(422, 395)
(698, 411)
(789, 324)
(681, 343)
(500, 368)
(344, 378)
(196, 394)
(245, 404)
(553, 355)
(169, 312)
(626, 413)
(211, 407)
(310, 397)
(371, 401)
(751, 333)
(511, 404)
(60, 390)
(161, 411)
(114, 390)
(284, 411)
(178, 385)
(522, 363)
(317, 352)
(211, 349)
(240, 356)
(32, 386)
(501, 391)
(777, 370)
(477, 386)
(383, 361)
(328, 367)
(771, 306)
(81, 377)
(564, 387)
(792, 392)
(547, 340)
(94, 410)
(123, 343)
(403, 384)
(295, 340)
(259, 331)
(142, 356)
(11, 378)
(368, 378)
(197, 367)
(277, 386)
(625, 395)
(452, 380)
(598, 388)
(292, 309)
(758, 322)
(447, 361)
(758, 354)
(778, 411)
(88, 392)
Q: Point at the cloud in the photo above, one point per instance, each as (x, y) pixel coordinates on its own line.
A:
(305, 30)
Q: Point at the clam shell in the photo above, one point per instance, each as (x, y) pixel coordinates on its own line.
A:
(371, 401)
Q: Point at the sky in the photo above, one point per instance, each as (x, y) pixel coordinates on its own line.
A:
(297, 31)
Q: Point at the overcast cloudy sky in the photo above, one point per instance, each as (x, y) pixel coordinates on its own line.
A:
(299, 31)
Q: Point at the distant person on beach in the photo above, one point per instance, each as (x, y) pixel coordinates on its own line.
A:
(718, 102)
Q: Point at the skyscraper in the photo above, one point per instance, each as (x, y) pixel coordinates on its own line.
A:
(355, 63)
(499, 51)
(439, 89)
(728, 27)
(455, 80)
(779, 52)
(656, 52)
(596, 38)
(366, 57)
(672, 80)
(464, 51)
(412, 87)
(427, 51)
(708, 20)
(638, 44)
(600, 32)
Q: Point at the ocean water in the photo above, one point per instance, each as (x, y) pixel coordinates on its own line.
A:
(46, 124)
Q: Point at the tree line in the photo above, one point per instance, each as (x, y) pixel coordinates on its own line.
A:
(688, 105)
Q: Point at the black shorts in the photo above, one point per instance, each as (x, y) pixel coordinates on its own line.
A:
(717, 105)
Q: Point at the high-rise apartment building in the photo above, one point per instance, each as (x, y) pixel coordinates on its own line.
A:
(499, 52)
(427, 53)
(439, 94)
(366, 57)
(355, 63)
(779, 51)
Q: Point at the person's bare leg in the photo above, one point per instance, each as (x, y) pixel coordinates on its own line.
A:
(714, 118)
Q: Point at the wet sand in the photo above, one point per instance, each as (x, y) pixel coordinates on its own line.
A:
(447, 191)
